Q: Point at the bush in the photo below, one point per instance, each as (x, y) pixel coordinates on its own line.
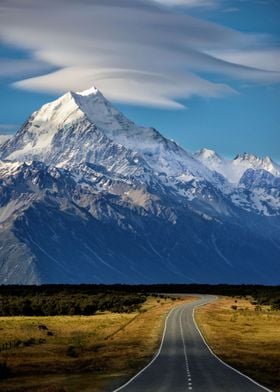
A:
(29, 342)
(258, 308)
(275, 303)
(72, 352)
(65, 301)
(4, 370)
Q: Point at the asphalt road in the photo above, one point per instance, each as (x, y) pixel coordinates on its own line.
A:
(185, 363)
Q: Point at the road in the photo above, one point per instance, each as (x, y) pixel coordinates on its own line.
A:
(185, 363)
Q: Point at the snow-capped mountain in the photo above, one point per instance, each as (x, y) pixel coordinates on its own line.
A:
(234, 169)
(86, 195)
(4, 138)
(85, 127)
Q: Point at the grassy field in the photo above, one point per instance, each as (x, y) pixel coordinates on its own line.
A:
(245, 336)
(81, 353)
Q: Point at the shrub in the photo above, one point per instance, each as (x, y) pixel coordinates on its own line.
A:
(29, 342)
(258, 308)
(4, 370)
(71, 352)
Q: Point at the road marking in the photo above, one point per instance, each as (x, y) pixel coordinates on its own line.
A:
(190, 387)
(185, 352)
(219, 359)
(155, 357)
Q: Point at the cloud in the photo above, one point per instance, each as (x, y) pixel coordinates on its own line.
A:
(125, 85)
(265, 59)
(136, 51)
(8, 129)
(190, 3)
(230, 10)
(22, 68)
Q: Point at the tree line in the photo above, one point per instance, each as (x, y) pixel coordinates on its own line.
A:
(63, 303)
(87, 299)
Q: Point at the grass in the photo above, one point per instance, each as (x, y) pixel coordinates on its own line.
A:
(245, 336)
(88, 353)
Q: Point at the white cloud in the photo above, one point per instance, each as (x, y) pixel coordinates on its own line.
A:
(137, 52)
(126, 85)
(266, 59)
(190, 3)
(22, 68)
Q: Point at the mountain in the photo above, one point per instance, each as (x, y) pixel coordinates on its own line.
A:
(86, 195)
(234, 169)
(85, 127)
(4, 138)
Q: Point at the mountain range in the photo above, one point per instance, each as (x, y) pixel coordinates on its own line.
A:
(87, 196)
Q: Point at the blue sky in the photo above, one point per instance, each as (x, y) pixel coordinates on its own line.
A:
(206, 73)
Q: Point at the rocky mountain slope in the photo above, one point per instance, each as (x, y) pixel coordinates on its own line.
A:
(86, 195)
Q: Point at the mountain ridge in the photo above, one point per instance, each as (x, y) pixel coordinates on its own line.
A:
(86, 195)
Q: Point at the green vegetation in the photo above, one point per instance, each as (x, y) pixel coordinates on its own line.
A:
(86, 299)
(60, 300)
(260, 295)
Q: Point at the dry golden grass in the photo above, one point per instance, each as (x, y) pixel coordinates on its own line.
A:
(247, 338)
(109, 346)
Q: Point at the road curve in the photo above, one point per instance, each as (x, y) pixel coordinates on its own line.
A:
(184, 362)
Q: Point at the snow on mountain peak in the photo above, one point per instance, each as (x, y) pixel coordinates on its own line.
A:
(90, 91)
(80, 126)
(208, 154)
(267, 160)
(34, 140)
(84, 127)
(234, 169)
(246, 157)
(215, 162)
(251, 161)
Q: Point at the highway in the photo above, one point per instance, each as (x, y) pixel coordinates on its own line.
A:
(184, 362)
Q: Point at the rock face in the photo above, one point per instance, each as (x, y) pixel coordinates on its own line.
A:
(86, 195)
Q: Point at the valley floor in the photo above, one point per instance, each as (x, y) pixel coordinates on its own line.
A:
(92, 353)
(81, 353)
(245, 336)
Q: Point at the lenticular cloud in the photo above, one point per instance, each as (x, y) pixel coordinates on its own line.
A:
(142, 52)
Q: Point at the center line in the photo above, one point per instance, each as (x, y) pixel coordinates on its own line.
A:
(185, 354)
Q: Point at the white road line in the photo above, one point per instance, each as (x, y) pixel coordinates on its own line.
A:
(182, 335)
(155, 357)
(185, 352)
(219, 359)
